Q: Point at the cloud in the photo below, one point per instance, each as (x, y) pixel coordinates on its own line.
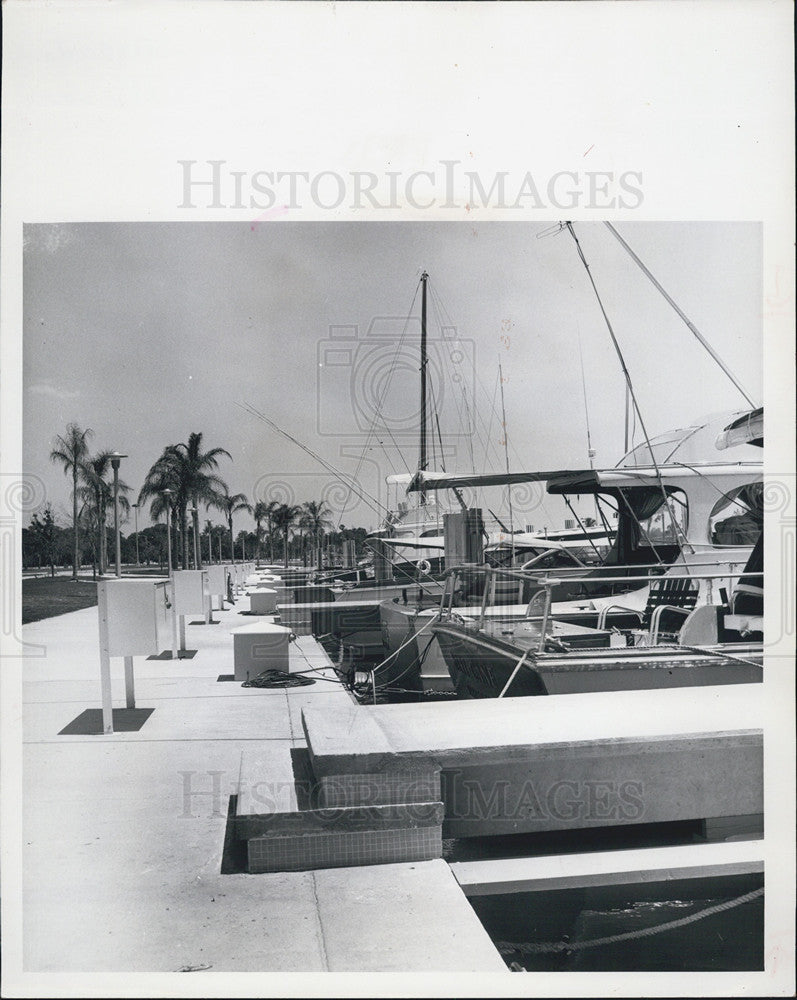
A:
(47, 389)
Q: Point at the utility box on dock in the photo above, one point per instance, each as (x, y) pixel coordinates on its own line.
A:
(136, 616)
(463, 534)
(263, 601)
(217, 583)
(191, 592)
(133, 621)
(259, 647)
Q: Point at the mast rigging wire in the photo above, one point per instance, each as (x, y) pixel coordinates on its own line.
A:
(629, 384)
(680, 312)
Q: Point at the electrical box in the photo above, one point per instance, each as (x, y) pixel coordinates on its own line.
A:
(136, 616)
(217, 580)
(463, 534)
(191, 592)
(259, 647)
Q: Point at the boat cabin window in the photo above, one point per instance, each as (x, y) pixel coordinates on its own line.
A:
(648, 530)
(665, 527)
(737, 518)
(556, 559)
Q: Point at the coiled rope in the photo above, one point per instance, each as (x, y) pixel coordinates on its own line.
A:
(547, 947)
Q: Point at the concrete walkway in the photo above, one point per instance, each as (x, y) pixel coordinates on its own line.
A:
(123, 835)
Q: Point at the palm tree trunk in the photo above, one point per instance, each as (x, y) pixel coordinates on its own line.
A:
(184, 533)
(195, 518)
(232, 540)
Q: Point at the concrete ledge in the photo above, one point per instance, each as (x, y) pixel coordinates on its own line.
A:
(578, 871)
(562, 762)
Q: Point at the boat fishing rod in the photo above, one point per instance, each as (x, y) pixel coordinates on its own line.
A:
(370, 501)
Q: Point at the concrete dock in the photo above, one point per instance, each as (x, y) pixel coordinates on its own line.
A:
(123, 835)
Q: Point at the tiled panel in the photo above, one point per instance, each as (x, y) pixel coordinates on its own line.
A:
(378, 789)
(341, 850)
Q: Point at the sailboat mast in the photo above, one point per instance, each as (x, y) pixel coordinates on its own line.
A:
(422, 459)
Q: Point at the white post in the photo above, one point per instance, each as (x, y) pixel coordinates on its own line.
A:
(174, 622)
(182, 634)
(105, 660)
(130, 690)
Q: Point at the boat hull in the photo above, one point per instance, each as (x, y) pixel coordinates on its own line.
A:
(480, 667)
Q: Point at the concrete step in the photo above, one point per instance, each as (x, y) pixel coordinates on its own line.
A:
(291, 822)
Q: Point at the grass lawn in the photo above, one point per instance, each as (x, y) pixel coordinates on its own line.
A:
(45, 597)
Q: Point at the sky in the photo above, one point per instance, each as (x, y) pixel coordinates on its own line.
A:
(146, 332)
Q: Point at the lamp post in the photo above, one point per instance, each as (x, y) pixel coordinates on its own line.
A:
(195, 532)
(168, 495)
(135, 510)
(116, 458)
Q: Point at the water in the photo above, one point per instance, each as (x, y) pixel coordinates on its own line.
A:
(730, 941)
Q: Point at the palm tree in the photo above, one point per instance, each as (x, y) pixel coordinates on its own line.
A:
(283, 517)
(71, 450)
(315, 520)
(189, 473)
(259, 513)
(271, 507)
(230, 505)
(97, 493)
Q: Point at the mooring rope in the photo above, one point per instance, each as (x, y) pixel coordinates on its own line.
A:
(547, 947)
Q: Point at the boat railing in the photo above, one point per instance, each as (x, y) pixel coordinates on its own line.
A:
(661, 567)
(538, 606)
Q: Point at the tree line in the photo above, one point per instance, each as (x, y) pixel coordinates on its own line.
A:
(183, 479)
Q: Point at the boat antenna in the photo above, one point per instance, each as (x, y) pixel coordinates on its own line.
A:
(422, 462)
(506, 457)
(680, 312)
(673, 520)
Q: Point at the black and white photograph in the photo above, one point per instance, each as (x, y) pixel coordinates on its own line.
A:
(384, 499)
